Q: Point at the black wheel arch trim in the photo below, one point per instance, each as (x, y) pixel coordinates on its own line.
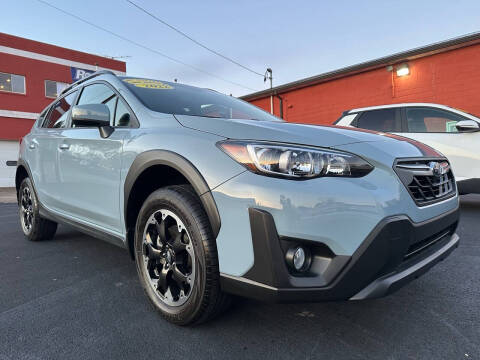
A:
(151, 158)
(22, 163)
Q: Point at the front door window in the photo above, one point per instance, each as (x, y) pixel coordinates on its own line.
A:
(428, 120)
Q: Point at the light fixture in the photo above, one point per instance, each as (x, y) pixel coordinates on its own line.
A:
(403, 70)
(298, 258)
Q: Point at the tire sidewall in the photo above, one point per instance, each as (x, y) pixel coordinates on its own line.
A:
(170, 200)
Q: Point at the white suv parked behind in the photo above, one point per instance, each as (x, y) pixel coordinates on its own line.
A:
(453, 132)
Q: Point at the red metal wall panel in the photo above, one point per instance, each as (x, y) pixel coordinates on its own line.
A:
(60, 52)
(450, 78)
(14, 129)
(35, 72)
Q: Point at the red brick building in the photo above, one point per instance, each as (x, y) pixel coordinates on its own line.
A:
(31, 75)
(446, 73)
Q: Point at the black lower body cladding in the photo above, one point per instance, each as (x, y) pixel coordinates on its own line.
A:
(394, 253)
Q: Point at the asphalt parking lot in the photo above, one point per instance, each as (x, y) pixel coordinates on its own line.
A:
(77, 297)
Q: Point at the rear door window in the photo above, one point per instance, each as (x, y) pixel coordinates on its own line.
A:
(41, 117)
(59, 112)
(383, 120)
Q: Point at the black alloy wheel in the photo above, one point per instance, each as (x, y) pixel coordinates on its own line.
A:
(169, 257)
(34, 227)
(176, 257)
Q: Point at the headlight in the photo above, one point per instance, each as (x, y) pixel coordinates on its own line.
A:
(295, 162)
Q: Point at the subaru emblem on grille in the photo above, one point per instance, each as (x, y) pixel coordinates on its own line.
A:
(439, 168)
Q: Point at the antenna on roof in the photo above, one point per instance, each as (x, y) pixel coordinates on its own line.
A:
(117, 57)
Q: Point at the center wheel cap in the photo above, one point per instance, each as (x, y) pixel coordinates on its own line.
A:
(169, 256)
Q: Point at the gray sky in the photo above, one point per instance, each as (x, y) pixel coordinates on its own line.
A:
(296, 39)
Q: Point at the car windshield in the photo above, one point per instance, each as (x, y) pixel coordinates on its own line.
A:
(179, 99)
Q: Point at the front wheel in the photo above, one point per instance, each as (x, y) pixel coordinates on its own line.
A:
(35, 228)
(176, 257)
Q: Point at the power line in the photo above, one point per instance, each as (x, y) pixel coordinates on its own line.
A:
(142, 46)
(192, 39)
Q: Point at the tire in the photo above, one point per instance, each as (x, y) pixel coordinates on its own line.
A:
(34, 227)
(182, 248)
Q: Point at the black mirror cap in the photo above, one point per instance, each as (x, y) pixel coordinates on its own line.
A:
(91, 115)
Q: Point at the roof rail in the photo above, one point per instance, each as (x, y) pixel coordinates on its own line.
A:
(96, 73)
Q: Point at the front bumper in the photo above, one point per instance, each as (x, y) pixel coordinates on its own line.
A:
(469, 186)
(391, 282)
(396, 251)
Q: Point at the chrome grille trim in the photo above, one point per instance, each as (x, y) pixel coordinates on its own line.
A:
(427, 180)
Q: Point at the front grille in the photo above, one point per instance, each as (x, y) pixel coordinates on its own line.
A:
(428, 188)
(427, 180)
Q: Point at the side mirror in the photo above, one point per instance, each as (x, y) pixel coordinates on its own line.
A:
(92, 115)
(467, 126)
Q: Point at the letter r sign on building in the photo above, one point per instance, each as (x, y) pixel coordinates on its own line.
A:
(78, 74)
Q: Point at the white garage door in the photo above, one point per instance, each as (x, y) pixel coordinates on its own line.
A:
(8, 152)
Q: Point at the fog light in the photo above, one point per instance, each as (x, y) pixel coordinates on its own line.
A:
(298, 258)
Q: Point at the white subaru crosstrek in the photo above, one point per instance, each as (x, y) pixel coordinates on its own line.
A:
(453, 132)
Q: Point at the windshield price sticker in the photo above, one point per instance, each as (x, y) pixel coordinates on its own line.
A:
(149, 84)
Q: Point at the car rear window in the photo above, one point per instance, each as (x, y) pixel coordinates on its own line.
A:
(179, 99)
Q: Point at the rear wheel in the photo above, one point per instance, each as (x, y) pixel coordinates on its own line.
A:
(176, 257)
(35, 228)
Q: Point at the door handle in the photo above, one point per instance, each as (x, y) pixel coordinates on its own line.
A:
(64, 147)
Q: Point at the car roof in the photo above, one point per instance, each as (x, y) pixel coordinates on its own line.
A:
(432, 105)
(399, 105)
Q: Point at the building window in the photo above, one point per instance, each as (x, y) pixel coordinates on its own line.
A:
(12, 83)
(54, 88)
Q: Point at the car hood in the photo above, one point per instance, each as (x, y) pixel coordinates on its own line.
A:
(380, 147)
(315, 135)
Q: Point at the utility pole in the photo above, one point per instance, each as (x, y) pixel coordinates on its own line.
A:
(268, 76)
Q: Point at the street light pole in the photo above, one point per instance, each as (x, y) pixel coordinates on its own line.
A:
(268, 75)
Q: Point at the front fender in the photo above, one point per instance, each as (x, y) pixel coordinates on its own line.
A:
(151, 158)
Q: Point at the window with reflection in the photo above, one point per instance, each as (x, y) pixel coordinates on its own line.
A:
(12, 83)
(54, 88)
(58, 115)
(428, 120)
